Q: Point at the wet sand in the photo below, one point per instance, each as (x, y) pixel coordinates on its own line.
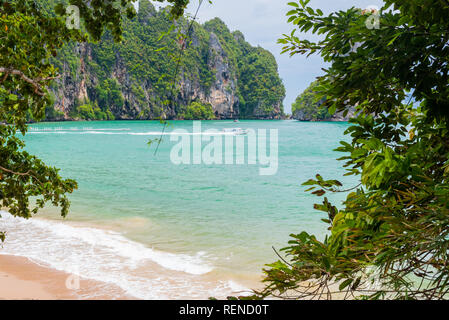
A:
(21, 279)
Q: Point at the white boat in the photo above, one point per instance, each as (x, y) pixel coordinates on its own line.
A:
(236, 131)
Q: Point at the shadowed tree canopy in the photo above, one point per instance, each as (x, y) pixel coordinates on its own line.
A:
(390, 238)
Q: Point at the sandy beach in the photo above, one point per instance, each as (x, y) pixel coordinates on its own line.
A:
(21, 279)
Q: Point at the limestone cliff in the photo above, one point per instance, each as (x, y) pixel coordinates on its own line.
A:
(308, 107)
(137, 79)
(302, 115)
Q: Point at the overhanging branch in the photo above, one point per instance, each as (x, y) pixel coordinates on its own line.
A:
(36, 83)
(22, 174)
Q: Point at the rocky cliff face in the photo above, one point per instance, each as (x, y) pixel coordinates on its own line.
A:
(301, 115)
(222, 94)
(308, 106)
(134, 79)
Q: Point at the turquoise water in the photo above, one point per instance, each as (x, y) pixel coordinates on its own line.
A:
(227, 217)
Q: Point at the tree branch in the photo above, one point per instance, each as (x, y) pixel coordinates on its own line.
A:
(36, 83)
(28, 173)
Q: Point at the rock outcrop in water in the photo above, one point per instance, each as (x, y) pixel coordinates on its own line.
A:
(337, 117)
(134, 79)
(307, 108)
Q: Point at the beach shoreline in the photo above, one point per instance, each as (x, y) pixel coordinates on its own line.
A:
(111, 266)
(23, 279)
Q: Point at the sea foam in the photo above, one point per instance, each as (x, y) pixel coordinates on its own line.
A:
(108, 256)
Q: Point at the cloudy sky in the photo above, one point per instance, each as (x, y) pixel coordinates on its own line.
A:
(263, 22)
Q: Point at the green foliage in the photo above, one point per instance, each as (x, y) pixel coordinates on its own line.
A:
(390, 239)
(109, 94)
(31, 37)
(108, 15)
(198, 111)
(92, 112)
(26, 47)
(309, 105)
(260, 84)
(88, 110)
(50, 112)
(53, 114)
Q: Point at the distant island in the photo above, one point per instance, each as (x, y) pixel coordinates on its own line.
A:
(221, 76)
(308, 107)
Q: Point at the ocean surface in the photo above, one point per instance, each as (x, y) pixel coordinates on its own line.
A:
(158, 229)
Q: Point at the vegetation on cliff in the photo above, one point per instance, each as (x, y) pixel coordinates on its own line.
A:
(197, 111)
(260, 90)
(134, 78)
(308, 105)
